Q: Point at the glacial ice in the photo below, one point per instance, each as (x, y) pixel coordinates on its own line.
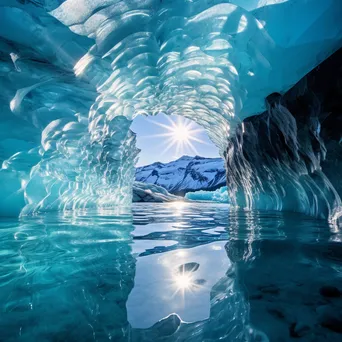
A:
(290, 155)
(75, 73)
(220, 195)
(143, 192)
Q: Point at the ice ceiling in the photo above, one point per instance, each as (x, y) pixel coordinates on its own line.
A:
(75, 73)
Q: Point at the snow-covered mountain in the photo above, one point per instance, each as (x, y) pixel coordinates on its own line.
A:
(185, 174)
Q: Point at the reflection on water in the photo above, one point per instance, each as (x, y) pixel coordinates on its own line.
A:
(170, 272)
(178, 281)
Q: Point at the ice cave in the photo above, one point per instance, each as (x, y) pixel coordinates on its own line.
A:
(263, 78)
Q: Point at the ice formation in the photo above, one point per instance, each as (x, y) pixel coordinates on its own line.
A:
(290, 155)
(75, 73)
(143, 192)
(220, 195)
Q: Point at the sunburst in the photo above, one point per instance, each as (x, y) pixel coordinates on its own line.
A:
(181, 134)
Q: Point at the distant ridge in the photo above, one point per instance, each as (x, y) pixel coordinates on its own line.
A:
(185, 174)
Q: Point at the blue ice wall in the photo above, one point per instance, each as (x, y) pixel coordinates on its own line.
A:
(75, 73)
(289, 157)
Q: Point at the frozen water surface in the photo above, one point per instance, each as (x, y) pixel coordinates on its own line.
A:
(166, 273)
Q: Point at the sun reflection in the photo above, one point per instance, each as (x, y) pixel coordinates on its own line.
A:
(183, 281)
(178, 207)
(181, 253)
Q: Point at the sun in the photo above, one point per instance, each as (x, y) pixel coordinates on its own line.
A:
(180, 134)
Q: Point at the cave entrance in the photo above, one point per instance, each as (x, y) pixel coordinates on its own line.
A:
(177, 155)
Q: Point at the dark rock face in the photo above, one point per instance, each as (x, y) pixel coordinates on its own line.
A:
(330, 317)
(329, 291)
(298, 330)
(290, 157)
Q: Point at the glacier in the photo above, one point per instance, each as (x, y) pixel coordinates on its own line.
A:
(143, 192)
(220, 195)
(75, 73)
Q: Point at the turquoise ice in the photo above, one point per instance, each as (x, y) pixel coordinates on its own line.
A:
(76, 73)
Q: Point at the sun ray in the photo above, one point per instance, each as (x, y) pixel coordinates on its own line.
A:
(188, 124)
(169, 145)
(157, 135)
(173, 124)
(178, 148)
(196, 130)
(192, 147)
(160, 124)
(198, 140)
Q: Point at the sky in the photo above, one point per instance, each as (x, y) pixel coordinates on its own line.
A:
(165, 138)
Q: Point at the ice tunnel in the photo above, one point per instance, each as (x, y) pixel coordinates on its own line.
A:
(75, 73)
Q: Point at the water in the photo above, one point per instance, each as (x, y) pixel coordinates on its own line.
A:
(172, 272)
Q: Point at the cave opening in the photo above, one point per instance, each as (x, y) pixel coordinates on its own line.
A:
(177, 155)
(164, 138)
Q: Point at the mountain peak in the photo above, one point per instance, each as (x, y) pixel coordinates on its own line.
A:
(185, 174)
(185, 157)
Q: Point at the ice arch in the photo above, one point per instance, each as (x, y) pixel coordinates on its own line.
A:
(76, 72)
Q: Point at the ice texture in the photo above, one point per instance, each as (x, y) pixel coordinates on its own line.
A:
(290, 155)
(220, 195)
(75, 73)
(143, 192)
